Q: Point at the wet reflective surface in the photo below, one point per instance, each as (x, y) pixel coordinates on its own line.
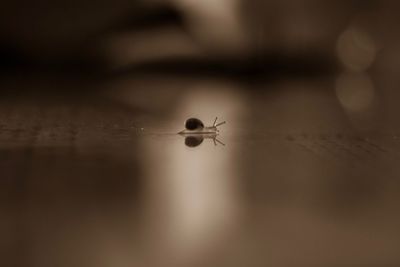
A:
(308, 173)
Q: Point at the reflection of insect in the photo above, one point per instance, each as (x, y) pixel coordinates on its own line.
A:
(195, 132)
(197, 140)
(195, 126)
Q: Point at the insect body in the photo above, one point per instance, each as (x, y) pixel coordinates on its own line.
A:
(195, 132)
(195, 126)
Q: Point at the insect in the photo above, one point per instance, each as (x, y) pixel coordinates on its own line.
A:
(195, 132)
(195, 126)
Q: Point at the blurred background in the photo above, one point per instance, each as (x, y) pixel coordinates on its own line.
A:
(94, 92)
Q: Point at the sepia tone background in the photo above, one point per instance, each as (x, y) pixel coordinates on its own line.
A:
(93, 94)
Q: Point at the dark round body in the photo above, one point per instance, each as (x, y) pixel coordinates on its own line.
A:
(193, 124)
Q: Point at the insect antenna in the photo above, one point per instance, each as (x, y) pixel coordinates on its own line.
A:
(215, 122)
(219, 124)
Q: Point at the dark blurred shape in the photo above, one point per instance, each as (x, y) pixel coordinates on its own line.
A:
(10, 57)
(116, 35)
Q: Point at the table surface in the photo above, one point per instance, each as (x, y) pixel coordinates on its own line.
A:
(94, 174)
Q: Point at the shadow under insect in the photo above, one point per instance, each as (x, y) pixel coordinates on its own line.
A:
(195, 132)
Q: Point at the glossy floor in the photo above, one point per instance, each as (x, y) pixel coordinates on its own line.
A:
(307, 174)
